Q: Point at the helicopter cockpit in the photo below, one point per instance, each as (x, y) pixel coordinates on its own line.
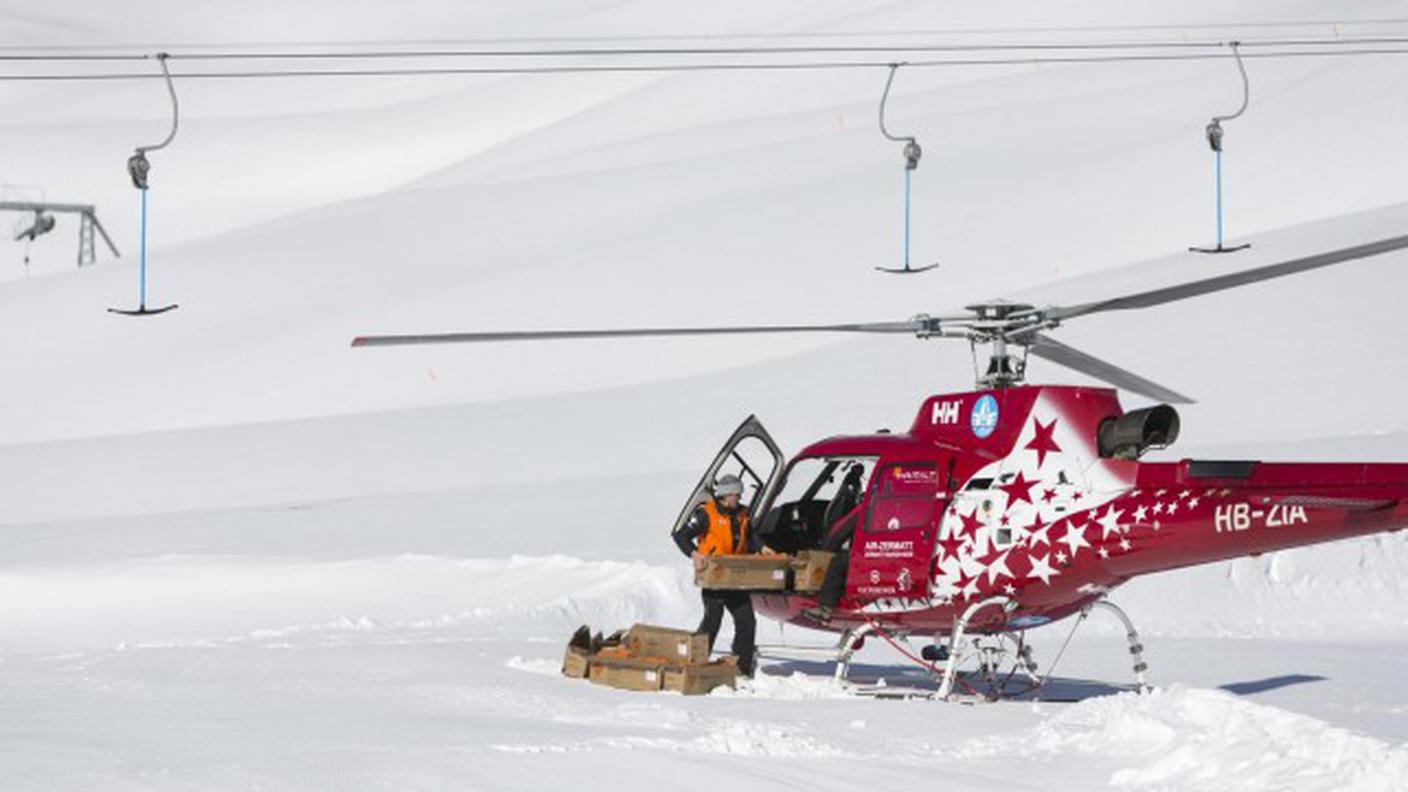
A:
(817, 492)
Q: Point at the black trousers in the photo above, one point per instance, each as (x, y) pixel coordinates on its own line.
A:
(834, 584)
(745, 624)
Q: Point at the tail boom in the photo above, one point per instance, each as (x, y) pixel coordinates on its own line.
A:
(1211, 511)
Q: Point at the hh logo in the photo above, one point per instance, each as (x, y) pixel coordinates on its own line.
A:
(945, 412)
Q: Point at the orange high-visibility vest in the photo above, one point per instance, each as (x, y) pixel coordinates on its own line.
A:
(718, 539)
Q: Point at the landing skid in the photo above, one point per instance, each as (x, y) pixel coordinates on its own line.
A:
(1136, 649)
(1001, 664)
(850, 642)
(991, 682)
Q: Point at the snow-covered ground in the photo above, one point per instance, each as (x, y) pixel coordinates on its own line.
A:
(235, 553)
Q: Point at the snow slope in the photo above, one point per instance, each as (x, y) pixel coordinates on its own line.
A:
(236, 552)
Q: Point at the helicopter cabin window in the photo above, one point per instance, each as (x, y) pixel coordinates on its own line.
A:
(988, 504)
(904, 496)
(752, 462)
(817, 493)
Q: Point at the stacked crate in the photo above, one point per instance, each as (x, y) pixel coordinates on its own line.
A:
(647, 657)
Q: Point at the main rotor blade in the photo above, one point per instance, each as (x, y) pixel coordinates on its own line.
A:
(1047, 347)
(1229, 281)
(907, 326)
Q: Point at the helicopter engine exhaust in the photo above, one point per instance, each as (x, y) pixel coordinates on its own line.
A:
(1137, 431)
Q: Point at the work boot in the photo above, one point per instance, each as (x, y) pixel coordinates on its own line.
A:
(747, 669)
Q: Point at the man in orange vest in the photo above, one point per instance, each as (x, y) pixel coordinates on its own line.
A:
(720, 527)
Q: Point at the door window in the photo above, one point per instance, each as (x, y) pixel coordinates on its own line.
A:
(750, 454)
(904, 497)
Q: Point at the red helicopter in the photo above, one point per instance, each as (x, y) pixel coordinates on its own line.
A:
(1014, 506)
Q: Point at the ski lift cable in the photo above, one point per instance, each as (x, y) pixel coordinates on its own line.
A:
(787, 35)
(333, 54)
(687, 66)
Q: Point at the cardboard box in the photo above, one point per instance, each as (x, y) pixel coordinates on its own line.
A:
(576, 662)
(626, 673)
(674, 646)
(580, 647)
(700, 678)
(809, 570)
(744, 573)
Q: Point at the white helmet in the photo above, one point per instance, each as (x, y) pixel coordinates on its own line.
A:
(727, 484)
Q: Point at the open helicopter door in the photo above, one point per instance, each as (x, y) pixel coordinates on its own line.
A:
(891, 553)
(750, 454)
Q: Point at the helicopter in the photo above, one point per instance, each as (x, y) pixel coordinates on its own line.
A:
(1015, 506)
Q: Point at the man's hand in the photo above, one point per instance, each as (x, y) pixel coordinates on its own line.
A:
(698, 558)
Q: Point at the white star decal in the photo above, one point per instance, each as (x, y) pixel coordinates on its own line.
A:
(1060, 557)
(1039, 536)
(1140, 514)
(1184, 495)
(998, 568)
(1193, 503)
(1158, 508)
(1124, 545)
(1074, 539)
(1103, 553)
(1110, 523)
(1041, 568)
(1160, 493)
(1172, 507)
(1009, 589)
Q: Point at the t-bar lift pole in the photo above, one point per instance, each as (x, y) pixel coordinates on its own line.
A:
(138, 168)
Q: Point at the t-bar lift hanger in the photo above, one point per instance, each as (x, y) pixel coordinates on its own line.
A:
(912, 152)
(138, 168)
(1214, 133)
